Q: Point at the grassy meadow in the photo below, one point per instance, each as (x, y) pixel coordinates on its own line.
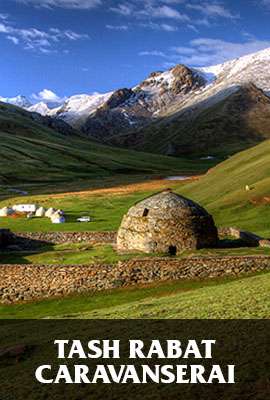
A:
(221, 191)
(37, 159)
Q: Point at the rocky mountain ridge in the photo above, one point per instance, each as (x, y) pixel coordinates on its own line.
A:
(165, 101)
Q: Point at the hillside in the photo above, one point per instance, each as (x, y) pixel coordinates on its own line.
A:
(222, 190)
(39, 152)
(239, 121)
(244, 298)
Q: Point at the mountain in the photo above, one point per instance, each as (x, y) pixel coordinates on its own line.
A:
(240, 120)
(204, 115)
(48, 155)
(20, 101)
(40, 108)
(179, 111)
(77, 109)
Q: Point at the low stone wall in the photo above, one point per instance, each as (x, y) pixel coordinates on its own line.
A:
(33, 240)
(248, 238)
(29, 282)
(29, 240)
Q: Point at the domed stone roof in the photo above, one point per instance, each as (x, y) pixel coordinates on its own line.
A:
(167, 223)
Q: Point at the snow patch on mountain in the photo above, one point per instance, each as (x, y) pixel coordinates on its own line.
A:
(177, 90)
(40, 108)
(19, 101)
(80, 105)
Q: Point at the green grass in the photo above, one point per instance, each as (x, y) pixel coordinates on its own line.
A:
(84, 253)
(67, 254)
(244, 298)
(247, 297)
(35, 158)
(221, 191)
(105, 210)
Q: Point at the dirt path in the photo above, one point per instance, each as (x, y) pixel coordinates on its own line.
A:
(157, 184)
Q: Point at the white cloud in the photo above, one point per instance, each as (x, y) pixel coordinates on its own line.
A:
(117, 27)
(69, 4)
(4, 28)
(3, 16)
(205, 51)
(159, 27)
(168, 12)
(35, 39)
(192, 28)
(168, 28)
(123, 9)
(154, 53)
(153, 9)
(13, 39)
(213, 10)
(47, 96)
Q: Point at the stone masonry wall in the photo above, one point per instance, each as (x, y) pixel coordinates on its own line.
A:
(29, 282)
(29, 240)
(248, 238)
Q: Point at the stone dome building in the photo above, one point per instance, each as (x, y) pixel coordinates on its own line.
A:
(166, 223)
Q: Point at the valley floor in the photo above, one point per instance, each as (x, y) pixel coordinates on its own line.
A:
(221, 191)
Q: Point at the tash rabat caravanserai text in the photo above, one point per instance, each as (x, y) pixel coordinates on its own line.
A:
(193, 373)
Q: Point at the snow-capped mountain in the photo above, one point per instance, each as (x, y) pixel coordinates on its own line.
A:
(178, 94)
(40, 108)
(180, 89)
(248, 68)
(78, 108)
(20, 101)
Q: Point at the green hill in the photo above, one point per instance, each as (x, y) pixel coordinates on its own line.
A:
(222, 190)
(43, 153)
(244, 298)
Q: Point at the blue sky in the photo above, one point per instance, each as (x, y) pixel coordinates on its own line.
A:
(56, 48)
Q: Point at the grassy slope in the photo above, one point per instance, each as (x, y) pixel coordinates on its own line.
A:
(221, 191)
(32, 155)
(247, 297)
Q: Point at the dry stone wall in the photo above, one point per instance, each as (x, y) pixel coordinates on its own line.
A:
(29, 282)
(29, 240)
(248, 238)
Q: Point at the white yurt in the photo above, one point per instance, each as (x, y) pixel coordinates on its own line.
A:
(56, 218)
(40, 212)
(6, 211)
(49, 213)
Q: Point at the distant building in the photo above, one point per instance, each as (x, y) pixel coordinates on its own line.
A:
(58, 218)
(166, 223)
(25, 208)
